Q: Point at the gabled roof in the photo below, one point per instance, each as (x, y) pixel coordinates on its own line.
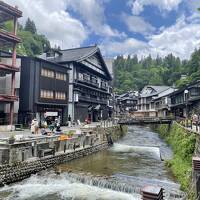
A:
(165, 93)
(76, 54)
(155, 90)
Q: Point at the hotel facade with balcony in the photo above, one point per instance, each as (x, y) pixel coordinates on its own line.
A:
(8, 67)
(89, 78)
(152, 101)
(186, 100)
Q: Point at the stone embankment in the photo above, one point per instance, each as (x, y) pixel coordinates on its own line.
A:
(18, 170)
(21, 170)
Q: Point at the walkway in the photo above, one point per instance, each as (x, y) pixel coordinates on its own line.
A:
(27, 132)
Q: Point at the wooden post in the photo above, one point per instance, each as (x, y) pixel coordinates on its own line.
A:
(196, 175)
(152, 193)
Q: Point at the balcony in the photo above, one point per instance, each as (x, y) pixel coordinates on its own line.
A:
(8, 38)
(92, 100)
(88, 82)
(8, 68)
(104, 86)
(8, 98)
(162, 106)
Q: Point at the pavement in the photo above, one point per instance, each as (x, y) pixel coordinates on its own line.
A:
(27, 132)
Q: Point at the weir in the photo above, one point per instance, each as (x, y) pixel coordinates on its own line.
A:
(151, 151)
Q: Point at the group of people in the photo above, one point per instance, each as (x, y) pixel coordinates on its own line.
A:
(55, 125)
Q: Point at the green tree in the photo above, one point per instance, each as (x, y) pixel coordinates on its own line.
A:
(30, 26)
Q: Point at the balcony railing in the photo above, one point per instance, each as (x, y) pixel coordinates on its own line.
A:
(7, 36)
(88, 82)
(93, 100)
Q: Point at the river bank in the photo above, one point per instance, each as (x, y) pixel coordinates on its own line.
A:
(183, 143)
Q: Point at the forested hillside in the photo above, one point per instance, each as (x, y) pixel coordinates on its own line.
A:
(32, 42)
(132, 74)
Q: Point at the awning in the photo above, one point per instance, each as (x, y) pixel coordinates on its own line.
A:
(97, 107)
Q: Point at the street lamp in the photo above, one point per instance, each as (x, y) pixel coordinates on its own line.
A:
(186, 100)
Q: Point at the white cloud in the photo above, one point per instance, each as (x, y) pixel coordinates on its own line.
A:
(137, 24)
(52, 20)
(167, 5)
(92, 12)
(180, 39)
(125, 47)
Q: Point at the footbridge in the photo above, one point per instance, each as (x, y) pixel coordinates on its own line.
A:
(128, 120)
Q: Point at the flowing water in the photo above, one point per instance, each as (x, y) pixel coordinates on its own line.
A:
(118, 173)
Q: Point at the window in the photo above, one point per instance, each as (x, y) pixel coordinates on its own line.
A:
(47, 73)
(61, 76)
(61, 95)
(46, 94)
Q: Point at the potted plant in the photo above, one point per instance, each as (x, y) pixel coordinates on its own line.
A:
(11, 139)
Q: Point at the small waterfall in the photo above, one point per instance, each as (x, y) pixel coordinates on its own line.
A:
(149, 150)
(68, 186)
(102, 182)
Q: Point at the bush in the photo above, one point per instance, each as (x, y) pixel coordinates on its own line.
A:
(183, 146)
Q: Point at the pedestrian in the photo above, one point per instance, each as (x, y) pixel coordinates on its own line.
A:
(65, 147)
(36, 126)
(83, 143)
(32, 126)
(69, 121)
(74, 146)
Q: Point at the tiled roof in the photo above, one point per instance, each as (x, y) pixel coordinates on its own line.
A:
(75, 54)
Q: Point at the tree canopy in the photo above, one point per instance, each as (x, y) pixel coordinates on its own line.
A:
(32, 42)
(131, 74)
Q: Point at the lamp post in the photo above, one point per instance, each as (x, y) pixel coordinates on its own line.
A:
(186, 101)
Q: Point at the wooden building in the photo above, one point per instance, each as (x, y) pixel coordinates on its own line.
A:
(8, 40)
(186, 100)
(43, 90)
(88, 82)
(146, 103)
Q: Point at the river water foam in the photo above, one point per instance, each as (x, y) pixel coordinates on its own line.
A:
(148, 150)
(48, 186)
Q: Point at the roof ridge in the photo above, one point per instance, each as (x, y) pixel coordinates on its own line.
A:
(79, 48)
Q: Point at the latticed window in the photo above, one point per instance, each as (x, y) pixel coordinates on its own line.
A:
(47, 73)
(61, 76)
(60, 95)
(47, 94)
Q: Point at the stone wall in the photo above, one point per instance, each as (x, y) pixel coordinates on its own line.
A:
(21, 170)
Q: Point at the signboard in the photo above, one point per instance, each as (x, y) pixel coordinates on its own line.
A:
(51, 114)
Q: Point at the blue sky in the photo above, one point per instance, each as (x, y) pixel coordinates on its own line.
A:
(119, 27)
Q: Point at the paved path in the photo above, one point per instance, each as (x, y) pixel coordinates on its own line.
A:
(27, 132)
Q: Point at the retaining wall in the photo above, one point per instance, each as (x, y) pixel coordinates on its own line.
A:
(21, 170)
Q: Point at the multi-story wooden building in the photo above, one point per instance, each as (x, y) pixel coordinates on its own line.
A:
(127, 102)
(88, 82)
(146, 103)
(43, 90)
(186, 101)
(8, 40)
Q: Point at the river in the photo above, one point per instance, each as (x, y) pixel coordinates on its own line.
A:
(134, 161)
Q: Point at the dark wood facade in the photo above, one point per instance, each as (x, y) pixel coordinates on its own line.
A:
(88, 83)
(186, 101)
(43, 89)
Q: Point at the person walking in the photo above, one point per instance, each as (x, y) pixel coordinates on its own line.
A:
(36, 126)
(32, 126)
(69, 121)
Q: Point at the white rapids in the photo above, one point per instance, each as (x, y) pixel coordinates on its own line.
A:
(63, 188)
(151, 151)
